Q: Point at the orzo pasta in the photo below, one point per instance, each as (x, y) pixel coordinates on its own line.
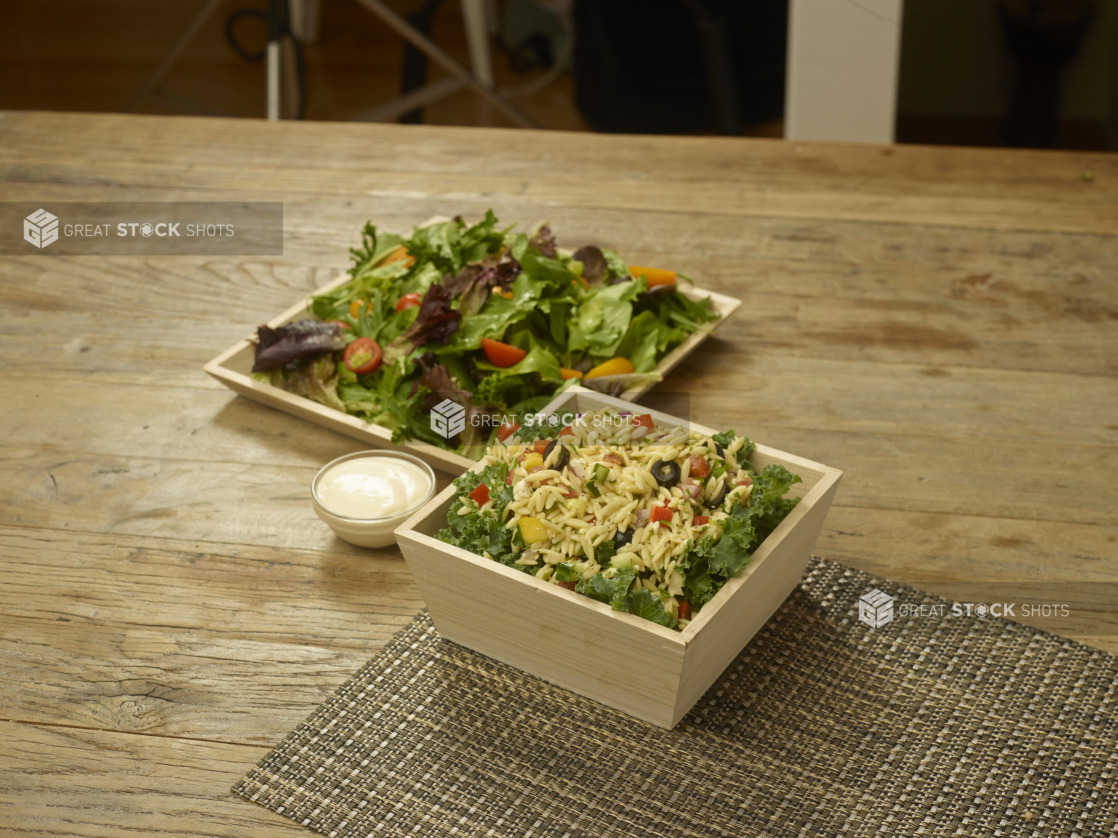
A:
(650, 518)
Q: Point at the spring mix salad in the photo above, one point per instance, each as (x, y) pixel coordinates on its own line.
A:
(497, 321)
(652, 519)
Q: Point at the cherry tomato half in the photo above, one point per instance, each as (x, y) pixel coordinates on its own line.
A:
(506, 430)
(700, 466)
(409, 301)
(362, 356)
(501, 354)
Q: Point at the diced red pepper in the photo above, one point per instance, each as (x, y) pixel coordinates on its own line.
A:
(480, 494)
(506, 430)
(684, 610)
(540, 445)
(699, 520)
(700, 467)
(512, 476)
(567, 430)
(660, 513)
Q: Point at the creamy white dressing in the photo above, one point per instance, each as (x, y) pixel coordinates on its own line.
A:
(372, 487)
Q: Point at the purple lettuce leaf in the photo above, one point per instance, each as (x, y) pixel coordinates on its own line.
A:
(594, 265)
(544, 242)
(276, 348)
(435, 322)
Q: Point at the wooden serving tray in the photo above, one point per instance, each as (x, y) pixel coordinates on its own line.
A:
(232, 368)
(621, 660)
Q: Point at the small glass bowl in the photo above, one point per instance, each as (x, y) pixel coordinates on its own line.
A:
(369, 532)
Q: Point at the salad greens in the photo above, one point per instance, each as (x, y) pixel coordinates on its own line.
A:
(496, 320)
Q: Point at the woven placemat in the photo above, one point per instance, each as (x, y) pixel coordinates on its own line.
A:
(822, 726)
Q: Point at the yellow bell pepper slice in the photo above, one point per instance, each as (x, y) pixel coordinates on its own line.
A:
(654, 276)
(533, 530)
(614, 366)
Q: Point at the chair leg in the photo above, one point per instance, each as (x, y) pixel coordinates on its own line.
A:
(172, 55)
(477, 35)
(449, 64)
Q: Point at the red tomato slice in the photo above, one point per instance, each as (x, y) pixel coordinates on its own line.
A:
(699, 520)
(362, 356)
(644, 419)
(700, 467)
(660, 513)
(411, 300)
(684, 610)
(567, 430)
(501, 354)
(506, 430)
(480, 494)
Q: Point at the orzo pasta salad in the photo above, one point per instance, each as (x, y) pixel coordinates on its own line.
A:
(650, 518)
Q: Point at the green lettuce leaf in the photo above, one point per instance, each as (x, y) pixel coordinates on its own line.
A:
(550, 271)
(602, 319)
(316, 380)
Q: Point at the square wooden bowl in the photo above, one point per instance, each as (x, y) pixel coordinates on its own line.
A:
(618, 659)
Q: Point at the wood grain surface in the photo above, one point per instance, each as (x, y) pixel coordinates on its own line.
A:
(940, 324)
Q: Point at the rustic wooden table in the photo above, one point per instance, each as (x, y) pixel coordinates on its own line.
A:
(942, 324)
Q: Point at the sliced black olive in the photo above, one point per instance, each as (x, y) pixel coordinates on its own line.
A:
(620, 539)
(717, 502)
(564, 455)
(666, 473)
(721, 453)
